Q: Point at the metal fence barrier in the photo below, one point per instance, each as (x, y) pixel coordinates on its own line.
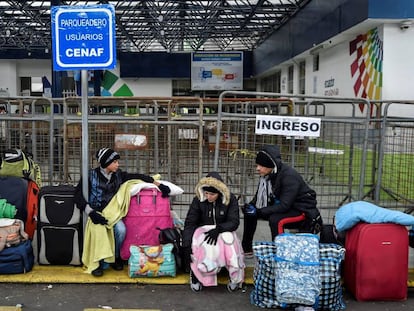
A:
(364, 152)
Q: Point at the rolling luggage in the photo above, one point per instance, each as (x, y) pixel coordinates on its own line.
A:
(376, 261)
(147, 212)
(24, 195)
(59, 234)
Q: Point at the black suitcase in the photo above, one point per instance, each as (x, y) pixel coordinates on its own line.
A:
(17, 259)
(59, 230)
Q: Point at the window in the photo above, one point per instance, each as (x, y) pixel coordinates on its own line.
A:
(31, 86)
(302, 77)
(271, 83)
(316, 62)
(290, 80)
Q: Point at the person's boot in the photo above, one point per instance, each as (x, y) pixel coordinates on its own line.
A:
(118, 265)
(232, 287)
(98, 271)
(195, 284)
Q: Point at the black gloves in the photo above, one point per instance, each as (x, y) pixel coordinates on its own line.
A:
(165, 190)
(211, 236)
(97, 218)
(148, 179)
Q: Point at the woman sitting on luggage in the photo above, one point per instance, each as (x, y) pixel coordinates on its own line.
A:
(209, 238)
(104, 182)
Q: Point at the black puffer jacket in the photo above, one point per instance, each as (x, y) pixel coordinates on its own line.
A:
(224, 212)
(288, 187)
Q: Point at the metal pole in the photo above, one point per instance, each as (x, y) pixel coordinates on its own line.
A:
(85, 135)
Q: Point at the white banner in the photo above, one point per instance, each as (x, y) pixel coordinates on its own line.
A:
(288, 126)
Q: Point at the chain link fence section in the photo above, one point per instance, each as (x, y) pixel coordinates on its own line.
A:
(363, 152)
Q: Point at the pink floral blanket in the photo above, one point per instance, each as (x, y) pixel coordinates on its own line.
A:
(207, 260)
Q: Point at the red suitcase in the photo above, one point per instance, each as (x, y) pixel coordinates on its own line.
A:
(148, 210)
(376, 262)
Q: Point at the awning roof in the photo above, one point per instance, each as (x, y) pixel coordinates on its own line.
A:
(164, 26)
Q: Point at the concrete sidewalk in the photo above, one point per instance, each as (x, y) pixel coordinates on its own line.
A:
(78, 297)
(67, 288)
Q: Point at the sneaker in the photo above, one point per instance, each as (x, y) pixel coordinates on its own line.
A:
(248, 255)
(118, 265)
(195, 284)
(232, 287)
(98, 271)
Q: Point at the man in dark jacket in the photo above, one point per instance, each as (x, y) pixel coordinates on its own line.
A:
(281, 193)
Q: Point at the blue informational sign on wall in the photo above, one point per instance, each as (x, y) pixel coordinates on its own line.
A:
(83, 37)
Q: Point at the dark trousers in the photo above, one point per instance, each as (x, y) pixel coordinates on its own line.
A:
(250, 225)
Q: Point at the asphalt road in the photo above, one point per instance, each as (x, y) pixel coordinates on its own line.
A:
(74, 297)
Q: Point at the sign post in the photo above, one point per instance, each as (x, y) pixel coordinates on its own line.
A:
(83, 37)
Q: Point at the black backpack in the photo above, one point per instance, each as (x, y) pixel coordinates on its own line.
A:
(173, 236)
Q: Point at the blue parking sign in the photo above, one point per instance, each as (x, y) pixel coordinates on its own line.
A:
(83, 37)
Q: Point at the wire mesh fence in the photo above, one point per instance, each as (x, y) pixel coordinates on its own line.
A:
(362, 152)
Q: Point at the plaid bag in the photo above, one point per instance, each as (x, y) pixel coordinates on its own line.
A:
(330, 297)
(264, 276)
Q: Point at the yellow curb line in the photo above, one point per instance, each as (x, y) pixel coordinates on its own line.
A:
(72, 274)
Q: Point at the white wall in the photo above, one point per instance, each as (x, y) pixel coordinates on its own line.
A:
(398, 77)
(333, 79)
(334, 75)
(34, 68)
(12, 70)
(398, 65)
(143, 87)
(8, 76)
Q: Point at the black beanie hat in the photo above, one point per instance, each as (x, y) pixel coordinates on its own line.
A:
(106, 156)
(264, 160)
(211, 189)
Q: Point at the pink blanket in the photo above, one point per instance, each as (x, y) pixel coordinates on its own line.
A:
(207, 260)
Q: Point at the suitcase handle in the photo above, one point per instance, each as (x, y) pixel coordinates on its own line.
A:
(154, 198)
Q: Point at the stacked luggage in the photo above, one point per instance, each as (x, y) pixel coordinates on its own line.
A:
(148, 213)
(51, 224)
(19, 188)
